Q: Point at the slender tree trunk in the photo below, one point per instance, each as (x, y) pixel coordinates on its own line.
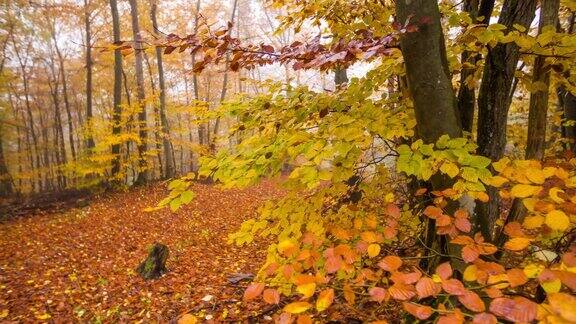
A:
(142, 127)
(493, 97)
(225, 81)
(6, 188)
(539, 99)
(65, 95)
(166, 143)
(116, 116)
(59, 131)
(156, 118)
(202, 127)
(89, 114)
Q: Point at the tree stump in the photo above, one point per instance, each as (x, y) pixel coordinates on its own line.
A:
(155, 264)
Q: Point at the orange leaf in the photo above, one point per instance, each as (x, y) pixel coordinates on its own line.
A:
(304, 319)
(349, 294)
(426, 287)
(401, 291)
(390, 263)
(253, 291)
(444, 270)
(517, 243)
(297, 307)
(419, 311)
(564, 305)
(325, 299)
(378, 294)
(271, 296)
(518, 309)
(469, 253)
(484, 318)
(433, 212)
(516, 277)
(472, 301)
(453, 287)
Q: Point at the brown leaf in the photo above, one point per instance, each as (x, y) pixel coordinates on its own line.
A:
(472, 301)
(419, 311)
(453, 287)
(518, 309)
(390, 263)
(444, 270)
(401, 291)
(426, 287)
(254, 290)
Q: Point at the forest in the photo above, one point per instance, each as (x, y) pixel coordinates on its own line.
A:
(288, 161)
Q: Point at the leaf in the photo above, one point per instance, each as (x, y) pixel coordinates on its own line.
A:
(271, 296)
(532, 222)
(524, 190)
(390, 263)
(497, 181)
(325, 299)
(307, 290)
(297, 307)
(557, 220)
(470, 273)
(450, 169)
(472, 301)
(516, 277)
(304, 319)
(517, 243)
(187, 319)
(484, 318)
(401, 291)
(563, 305)
(518, 309)
(553, 193)
(287, 248)
(453, 287)
(373, 250)
(419, 311)
(349, 294)
(444, 271)
(253, 290)
(469, 253)
(378, 294)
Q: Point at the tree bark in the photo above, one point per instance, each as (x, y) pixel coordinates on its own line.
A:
(169, 166)
(142, 127)
(493, 98)
(116, 116)
(90, 140)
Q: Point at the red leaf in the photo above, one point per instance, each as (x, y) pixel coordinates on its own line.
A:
(472, 301)
(444, 270)
(419, 311)
(426, 287)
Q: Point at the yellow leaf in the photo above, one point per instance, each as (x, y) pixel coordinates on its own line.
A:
(325, 299)
(557, 220)
(564, 304)
(497, 181)
(44, 316)
(368, 237)
(470, 273)
(287, 248)
(373, 250)
(517, 243)
(552, 286)
(524, 190)
(450, 169)
(553, 193)
(535, 175)
(532, 222)
(533, 270)
(188, 319)
(297, 307)
(529, 203)
(307, 290)
(4, 313)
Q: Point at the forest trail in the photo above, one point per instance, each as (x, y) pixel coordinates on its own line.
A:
(78, 265)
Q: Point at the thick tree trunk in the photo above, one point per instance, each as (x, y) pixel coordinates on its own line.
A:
(169, 166)
(493, 98)
(155, 264)
(142, 127)
(431, 89)
(90, 140)
(116, 116)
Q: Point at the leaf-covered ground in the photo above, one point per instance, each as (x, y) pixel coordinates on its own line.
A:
(78, 265)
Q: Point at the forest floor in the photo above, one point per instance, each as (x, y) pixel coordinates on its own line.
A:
(78, 265)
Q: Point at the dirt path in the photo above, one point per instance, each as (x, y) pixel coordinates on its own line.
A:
(79, 265)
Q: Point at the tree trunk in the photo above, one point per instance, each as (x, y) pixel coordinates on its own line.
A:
(116, 116)
(430, 85)
(155, 264)
(142, 127)
(201, 127)
(90, 140)
(493, 98)
(167, 145)
(65, 94)
(6, 188)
